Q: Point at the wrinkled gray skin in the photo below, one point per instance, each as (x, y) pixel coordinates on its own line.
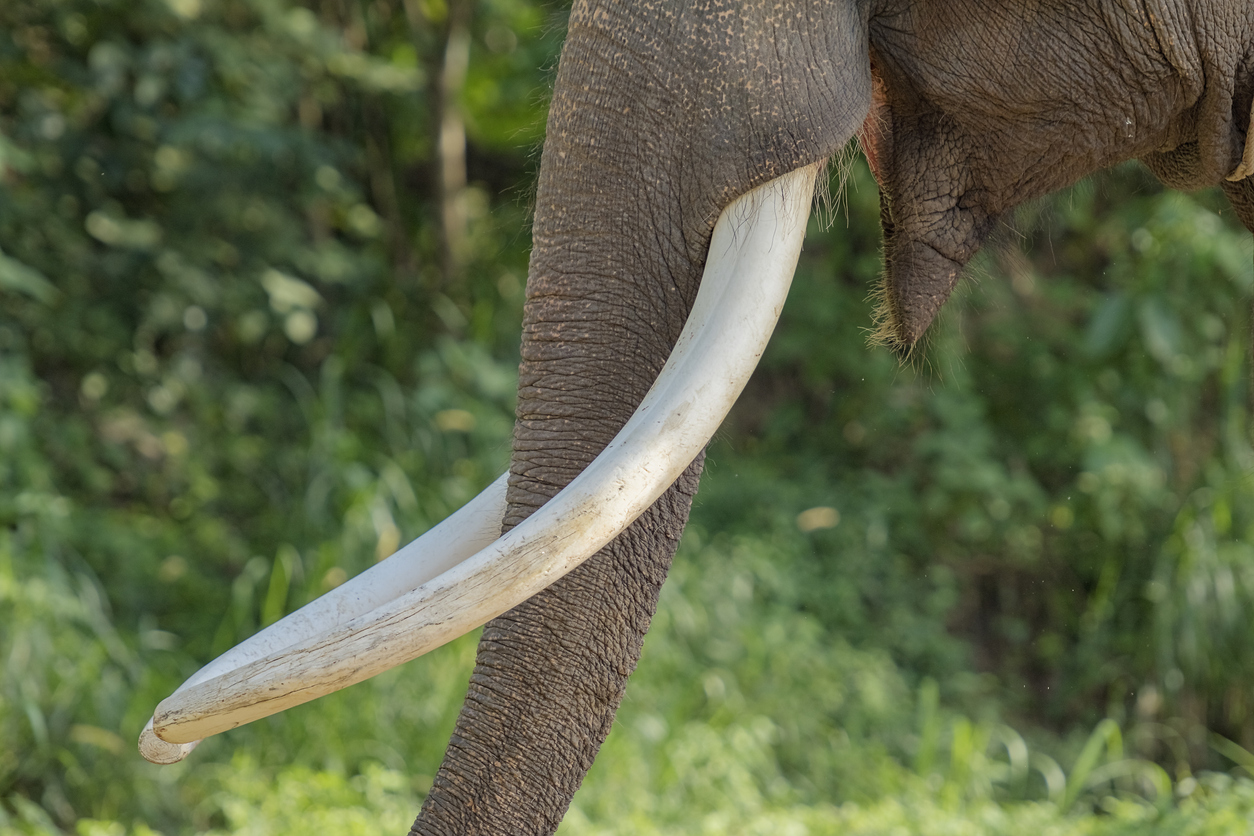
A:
(665, 111)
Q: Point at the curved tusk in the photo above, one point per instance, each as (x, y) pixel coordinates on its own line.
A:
(752, 256)
(476, 525)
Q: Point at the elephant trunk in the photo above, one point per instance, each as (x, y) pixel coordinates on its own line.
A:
(639, 161)
(608, 291)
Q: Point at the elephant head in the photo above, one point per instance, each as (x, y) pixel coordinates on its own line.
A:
(681, 135)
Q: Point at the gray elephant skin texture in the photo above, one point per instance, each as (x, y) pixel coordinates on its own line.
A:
(663, 112)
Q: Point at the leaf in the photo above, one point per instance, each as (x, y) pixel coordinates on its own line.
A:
(1106, 735)
(14, 275)
(123, 232)
(1160, 328)
(1108, 329)
(1232, 751)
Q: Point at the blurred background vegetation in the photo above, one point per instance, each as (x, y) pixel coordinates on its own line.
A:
(261, 272)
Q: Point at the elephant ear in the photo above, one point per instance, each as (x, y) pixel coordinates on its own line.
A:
(918, 157)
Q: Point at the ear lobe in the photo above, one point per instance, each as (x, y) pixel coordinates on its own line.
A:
(931, 220)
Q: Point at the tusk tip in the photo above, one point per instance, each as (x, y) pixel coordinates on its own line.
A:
(156, 750)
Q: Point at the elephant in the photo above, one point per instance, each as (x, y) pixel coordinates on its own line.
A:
(677, 130)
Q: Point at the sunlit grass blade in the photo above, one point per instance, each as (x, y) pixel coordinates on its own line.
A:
(1105, 736)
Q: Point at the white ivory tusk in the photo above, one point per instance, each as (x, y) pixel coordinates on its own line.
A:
(752, 256)
(476, 525)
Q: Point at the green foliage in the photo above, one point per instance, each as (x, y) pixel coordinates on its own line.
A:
(1065, 478)
(58, 727)
(231, 373)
